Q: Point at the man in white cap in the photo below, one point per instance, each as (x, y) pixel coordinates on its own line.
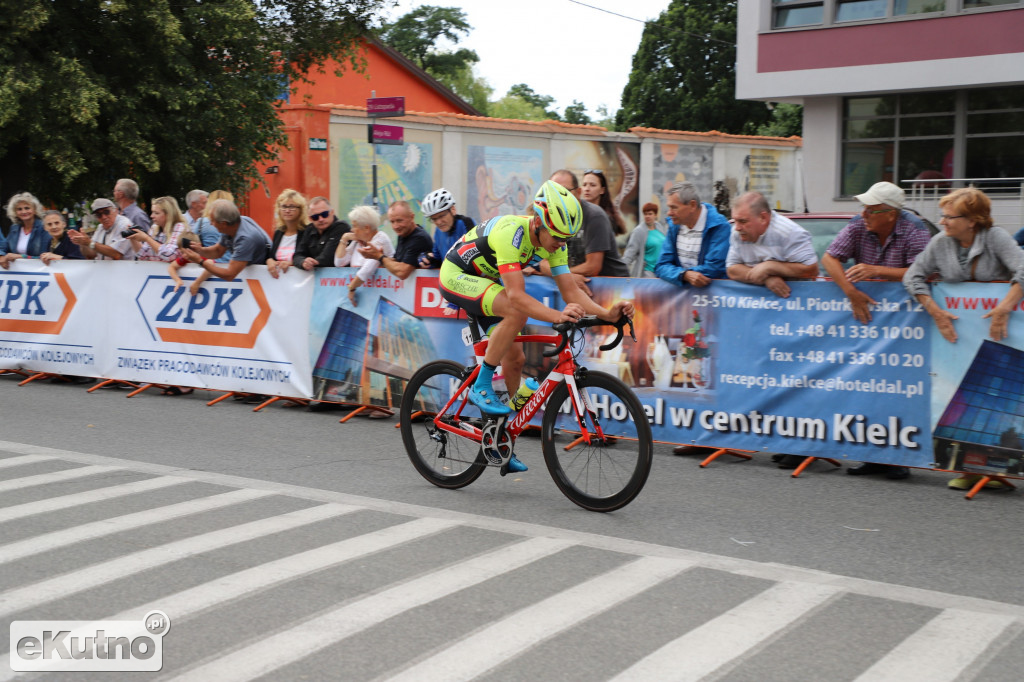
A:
(106, 243)
(882, 241)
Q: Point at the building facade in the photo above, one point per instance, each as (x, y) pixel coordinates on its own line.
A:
(930, 91)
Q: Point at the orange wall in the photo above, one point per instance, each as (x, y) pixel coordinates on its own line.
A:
(383, 75)
(299, 167)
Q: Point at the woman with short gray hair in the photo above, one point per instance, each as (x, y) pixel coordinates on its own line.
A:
(27, 236)
(364, 221)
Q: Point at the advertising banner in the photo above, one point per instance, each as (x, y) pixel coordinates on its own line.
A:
(128, 321)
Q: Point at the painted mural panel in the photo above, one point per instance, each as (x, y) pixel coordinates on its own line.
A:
(501, 181)
(674, 163)
(403, 172)
(620, 162)
(769, 171)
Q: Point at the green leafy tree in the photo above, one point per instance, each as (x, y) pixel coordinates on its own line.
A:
(786, 120)
(577, 113)
(543, 102)
(417, 35)
(684, 75)
(513, 106)
(171, 93)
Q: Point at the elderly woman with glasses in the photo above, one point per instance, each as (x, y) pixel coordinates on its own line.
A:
(364, 220)
(969, 250)
(291, 217)
(27, 236)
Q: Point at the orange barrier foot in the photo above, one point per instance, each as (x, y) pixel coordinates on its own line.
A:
(223, 397)
(37, 375)
(142, 388)
(376, 409)
(724, 451)
(274, 399)
(108, 382)
(811, 460)
(980, 485)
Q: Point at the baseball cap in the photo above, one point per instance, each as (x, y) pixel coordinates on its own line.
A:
(883, 193)
(101, 204)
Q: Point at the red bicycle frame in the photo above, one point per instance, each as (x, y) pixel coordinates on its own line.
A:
(564, 370)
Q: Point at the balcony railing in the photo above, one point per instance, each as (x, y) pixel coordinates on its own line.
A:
(1007, 195)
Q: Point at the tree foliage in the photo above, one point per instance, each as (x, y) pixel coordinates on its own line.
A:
(417, 33)
(786, 120)
(684, 75)
(173, 93)
(577, 113)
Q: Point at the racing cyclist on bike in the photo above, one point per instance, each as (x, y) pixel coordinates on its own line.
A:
(482, 274)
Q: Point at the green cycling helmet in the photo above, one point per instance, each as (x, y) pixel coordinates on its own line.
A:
(558, 209)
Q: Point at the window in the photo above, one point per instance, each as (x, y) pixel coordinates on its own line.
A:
(904, 7)
(790, 13)
(931, 136)
(976, 4)
(995, 128)
(856, 10)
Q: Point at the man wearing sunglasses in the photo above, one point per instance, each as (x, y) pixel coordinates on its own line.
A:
(882, 241)
(106, 243)
(316, 247)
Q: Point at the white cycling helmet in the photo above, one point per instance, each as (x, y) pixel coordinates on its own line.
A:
(437, 201)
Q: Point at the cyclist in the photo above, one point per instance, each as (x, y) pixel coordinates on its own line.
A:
(482, 274)
(449, 226)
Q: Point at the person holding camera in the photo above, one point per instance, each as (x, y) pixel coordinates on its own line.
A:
(161, 242)
(110, 240)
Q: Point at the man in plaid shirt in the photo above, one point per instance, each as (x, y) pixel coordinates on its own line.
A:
(882, 241)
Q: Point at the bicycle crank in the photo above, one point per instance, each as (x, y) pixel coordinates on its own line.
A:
(496, 443)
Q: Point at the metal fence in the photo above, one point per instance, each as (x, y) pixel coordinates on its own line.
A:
(1007, 196)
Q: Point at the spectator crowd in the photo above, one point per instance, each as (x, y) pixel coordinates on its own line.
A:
(695, 245)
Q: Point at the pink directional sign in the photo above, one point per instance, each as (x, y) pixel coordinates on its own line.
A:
(387, 134)
(380, 107)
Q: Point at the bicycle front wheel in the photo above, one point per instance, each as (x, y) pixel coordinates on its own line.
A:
(610, 471)
(445, 459)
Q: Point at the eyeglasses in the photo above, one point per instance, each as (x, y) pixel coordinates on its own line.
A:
(100, 212)
(593, 171)
(877, 211)
(949, 217)
(289, 207)
(318, 216)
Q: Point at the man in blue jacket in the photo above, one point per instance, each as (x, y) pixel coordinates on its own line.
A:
(697, 241)
(694, 251)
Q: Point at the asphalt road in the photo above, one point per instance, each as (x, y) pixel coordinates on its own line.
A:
(284, 545)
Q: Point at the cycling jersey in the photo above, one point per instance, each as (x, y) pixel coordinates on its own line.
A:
(500, 245)
(471, 272)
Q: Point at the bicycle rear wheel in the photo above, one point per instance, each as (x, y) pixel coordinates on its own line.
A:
(445, 459)
(605, 474)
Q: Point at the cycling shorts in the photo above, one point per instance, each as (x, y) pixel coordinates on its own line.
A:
(472, 293)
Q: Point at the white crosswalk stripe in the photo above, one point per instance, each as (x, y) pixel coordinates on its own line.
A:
(957, 636)
(707, 648)
(97, 529)
(21, 511)
(20, 598)
(511, 636)
(279, 650)
(22, 461)
(53, 477)
(941, 650)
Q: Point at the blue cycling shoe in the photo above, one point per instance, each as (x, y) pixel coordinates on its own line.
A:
(487, 401)
(515, 466)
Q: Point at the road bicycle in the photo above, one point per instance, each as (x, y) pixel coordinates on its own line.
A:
(594, 432)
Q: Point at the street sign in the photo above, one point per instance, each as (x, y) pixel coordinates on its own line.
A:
(381, 107)
(382, 134)
(318, 143)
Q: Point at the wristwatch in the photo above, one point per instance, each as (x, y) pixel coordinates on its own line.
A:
(92, 244)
